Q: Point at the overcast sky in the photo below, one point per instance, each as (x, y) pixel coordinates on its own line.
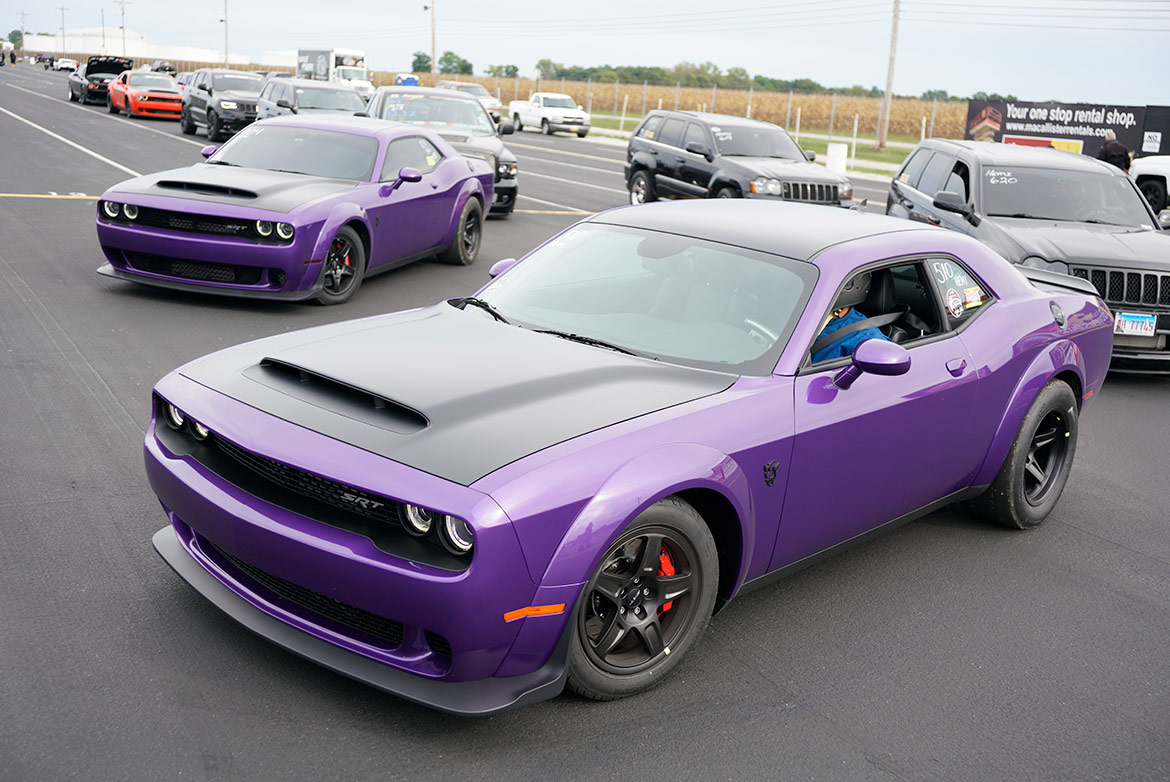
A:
(1088, 51)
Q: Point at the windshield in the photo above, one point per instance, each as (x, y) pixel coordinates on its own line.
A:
(671, 297)
(756, 141)
(334, 100)
(1053, 194)
(562, 102)
(352, 74)
(324, 153)
(438, 111)
(151, 80)
(473, 89)
(236, 81)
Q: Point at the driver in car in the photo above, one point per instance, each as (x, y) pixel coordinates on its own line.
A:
(844, 313)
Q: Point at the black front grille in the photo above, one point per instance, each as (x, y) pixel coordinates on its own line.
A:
(1118, 286)
(339, 495)
(388, 631)
(195, 270)
(811, 192)
(195, 224)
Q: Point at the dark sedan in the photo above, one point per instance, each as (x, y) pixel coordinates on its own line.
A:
(90, 83)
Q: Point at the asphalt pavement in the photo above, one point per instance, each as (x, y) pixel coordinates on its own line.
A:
(947, 650)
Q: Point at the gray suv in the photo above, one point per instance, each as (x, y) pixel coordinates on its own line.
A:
(221, 100)
(302, 96)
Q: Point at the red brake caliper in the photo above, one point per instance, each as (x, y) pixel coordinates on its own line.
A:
(665, 568)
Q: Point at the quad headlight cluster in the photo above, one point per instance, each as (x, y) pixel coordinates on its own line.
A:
(180, 421)
(114, 210)
(453, 531)
(265, 228)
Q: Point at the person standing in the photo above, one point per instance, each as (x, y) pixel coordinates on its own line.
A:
(1114, 152)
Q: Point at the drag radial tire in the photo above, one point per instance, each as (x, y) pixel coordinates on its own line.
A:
(648, 601)
(1037, 466)
(464, 247)
(344, 267)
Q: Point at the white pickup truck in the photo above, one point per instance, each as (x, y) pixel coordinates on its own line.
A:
(550, 111)
(1152, 175)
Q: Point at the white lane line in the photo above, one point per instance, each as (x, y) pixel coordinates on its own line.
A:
(553, 204)
(574, 165)
(119, 118)
(563, 151)
(30, 78)
(574, 182)
(64, 140)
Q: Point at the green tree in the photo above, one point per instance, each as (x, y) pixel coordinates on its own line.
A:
(421, 63)
(509, 71)
(17, 39)
(451, 62)
(936, 95)
(736, 78)
(548, 69)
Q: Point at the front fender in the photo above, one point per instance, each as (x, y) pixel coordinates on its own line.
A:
(721, 180)
(342, 213)
(635, 486)
(1062, 356)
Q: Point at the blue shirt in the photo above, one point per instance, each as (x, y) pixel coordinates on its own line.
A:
(844, 346)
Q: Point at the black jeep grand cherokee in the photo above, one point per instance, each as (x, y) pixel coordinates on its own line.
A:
(686, 154)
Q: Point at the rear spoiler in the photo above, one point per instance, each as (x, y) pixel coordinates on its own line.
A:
(1058, 280)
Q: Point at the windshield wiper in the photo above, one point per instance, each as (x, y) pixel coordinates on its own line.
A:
(222, 163)
(601, 343)
(483, 305)
(1030, 217)
(287, 171)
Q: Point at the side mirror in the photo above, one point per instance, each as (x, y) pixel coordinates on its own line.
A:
(874, 357)
(284, 104)
(699, 148)
(404, 175)
(953, 202)
(810, 155)
(499, 267)
(209, 90)
(208, 151)
(1164, 219)
(507, 128)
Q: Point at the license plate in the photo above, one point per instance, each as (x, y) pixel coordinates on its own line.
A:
(1134, 324)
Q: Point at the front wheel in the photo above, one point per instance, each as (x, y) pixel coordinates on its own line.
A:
(582, 133)
(186, 126)
(110, 107)
(642, 189)
(345, 265)
(214, 133)
(1038, 465)
(1155, 193)
(648, 601)
(545, 128)
(464, 248)
(72, 97)
(726, 192)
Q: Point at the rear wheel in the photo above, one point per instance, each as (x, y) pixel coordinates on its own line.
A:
(516, 121)
(1038, 465)
(1155, 192)
(464, 248)
(345, 265)
(648, 601)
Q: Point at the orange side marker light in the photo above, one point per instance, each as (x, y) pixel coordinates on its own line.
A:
(520, 613)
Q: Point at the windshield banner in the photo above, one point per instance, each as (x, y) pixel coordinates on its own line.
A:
(1075, 127)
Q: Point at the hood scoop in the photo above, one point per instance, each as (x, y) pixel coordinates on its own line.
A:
(337, 397)
(205, 188)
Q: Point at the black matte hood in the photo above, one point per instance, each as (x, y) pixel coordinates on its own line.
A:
(484, 147)
(275, 191)
(448, 391)
(1088, 243)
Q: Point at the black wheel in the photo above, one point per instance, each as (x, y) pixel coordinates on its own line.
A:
(110, 107)
(582, 133)
(545, 128)
(1038, 465)
(1155, 192)
(516, 121)
(214, 133)
(642, 188)
(72, 97)
(186, 126)
(465, 246)
(345, 264)
(727, 192)
(648, 601)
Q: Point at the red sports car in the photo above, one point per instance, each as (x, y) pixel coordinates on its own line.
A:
(144, 94)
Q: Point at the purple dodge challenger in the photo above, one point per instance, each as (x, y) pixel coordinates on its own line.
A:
(297, 208)
(555, 482)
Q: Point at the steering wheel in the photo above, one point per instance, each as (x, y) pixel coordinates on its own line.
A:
(760, 333)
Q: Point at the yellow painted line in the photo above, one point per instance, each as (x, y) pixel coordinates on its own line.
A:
(550, 212)
(50, 195)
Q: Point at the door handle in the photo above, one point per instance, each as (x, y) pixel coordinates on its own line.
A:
(956, 366)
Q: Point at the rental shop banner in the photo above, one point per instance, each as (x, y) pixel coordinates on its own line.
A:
(1075, 127)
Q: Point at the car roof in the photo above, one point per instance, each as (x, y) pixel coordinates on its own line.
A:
(993, 153)
(358, 126)
(713, 119)
(804, 230)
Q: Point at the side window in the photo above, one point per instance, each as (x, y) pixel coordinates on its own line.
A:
(650, 127)
(694, 133)
(409, 152)
(963, 296)
(286, 93)
(912, 169)
(672, 132)
(959, 181)
(266, 93)
(935, 174)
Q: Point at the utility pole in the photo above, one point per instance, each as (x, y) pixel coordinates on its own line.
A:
(225, 34)
(434, 62)
(103, 31)
(22, 15)
(62, 9)
(887, 99)
(123, 3)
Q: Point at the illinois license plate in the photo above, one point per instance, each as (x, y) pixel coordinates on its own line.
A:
(1134, 324)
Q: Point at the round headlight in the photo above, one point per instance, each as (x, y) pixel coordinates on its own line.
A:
(199, 430)
(418, 520)
(457, 535)
(846, 190)
(774, 186)
(173, 416)
(264, 228)
(284, 230)
(131, 211)
(111, 209)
